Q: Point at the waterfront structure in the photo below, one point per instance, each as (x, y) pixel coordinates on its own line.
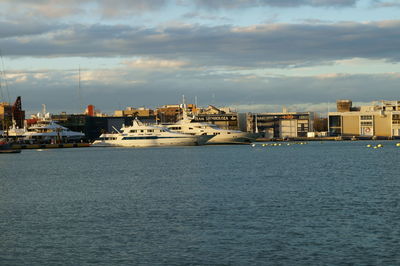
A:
(225, 121)
(18, 115)
(173, 112)
(12, 114)
(134, 112)
(282, 125)
(168, 113)
(212, 110)
(5, 115)
(376, 120)
(221, 117)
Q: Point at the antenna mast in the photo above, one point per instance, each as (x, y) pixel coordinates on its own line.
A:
(79, 89)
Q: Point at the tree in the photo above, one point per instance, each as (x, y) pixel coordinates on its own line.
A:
(320, 124)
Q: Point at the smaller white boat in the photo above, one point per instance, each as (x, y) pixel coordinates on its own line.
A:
(44, 130)
(48, 130)
(141, 135)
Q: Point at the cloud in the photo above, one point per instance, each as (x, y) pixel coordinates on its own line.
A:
(199, 15)
(258, 46)
(148, 63)
(52, 9)
(22, 29)
(146, 87)
(41, 8)
(382, 3)
(230, 4)
(116, 9)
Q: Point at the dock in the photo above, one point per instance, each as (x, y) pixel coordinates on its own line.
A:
(50, 146)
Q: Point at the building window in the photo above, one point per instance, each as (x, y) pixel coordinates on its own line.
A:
(366, 117)
(367, 123)
(335, 121)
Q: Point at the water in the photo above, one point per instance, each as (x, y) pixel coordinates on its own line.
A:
(315, 204)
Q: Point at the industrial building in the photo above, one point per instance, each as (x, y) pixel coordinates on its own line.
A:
(224, 121)
(284, 125)
(130, 111)
(377, 120)
(10, 114)
(173, 112)
(222, 117)
(5, 115)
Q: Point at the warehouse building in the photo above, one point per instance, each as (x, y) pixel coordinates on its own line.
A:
(377, 120)
(284, 125)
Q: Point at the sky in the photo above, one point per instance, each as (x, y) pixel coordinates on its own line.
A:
(250, 55)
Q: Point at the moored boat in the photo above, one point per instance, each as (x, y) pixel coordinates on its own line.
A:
(6, 147)
(141, 135)
(221, 136)
(45, 130)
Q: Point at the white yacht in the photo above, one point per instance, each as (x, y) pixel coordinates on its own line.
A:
(44, 130)
(221, 136)
(48, 130)
(141, 135)
(15, 132)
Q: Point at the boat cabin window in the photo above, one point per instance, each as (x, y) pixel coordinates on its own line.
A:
(150, 130)
(108, 138)
(133, 131)
(176, 128)
(141, 130)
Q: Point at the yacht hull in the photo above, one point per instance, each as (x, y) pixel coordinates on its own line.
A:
(190, 140)
(10, 151)
(235, 138)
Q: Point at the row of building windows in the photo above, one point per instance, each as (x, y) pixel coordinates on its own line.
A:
(366, 123)
(366, 117)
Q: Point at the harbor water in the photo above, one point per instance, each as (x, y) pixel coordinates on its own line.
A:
(329, 203)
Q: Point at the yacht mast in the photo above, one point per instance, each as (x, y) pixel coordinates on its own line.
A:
(3, 76)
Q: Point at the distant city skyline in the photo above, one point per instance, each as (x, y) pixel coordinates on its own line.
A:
(251, 55)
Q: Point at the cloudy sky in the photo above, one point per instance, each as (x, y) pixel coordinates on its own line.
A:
(252, 55)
